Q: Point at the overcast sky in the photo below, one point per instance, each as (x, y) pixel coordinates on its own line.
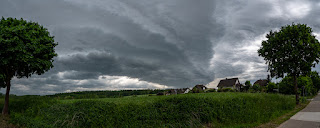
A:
(148, 44)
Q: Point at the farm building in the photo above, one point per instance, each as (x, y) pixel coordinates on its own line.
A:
(233, 83)
(262, 82)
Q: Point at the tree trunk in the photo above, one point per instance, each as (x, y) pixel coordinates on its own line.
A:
(296, 88)
(5, 110)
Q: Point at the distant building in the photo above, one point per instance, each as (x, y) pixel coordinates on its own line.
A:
(260, 82)
(198, 88)
(233, 83)
(178, 91)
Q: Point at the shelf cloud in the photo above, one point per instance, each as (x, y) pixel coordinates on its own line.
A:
(153, 44)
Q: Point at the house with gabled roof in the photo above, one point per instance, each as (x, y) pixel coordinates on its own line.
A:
(199, 88)
(233, 83)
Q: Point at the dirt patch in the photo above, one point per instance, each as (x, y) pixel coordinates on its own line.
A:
(4, 122)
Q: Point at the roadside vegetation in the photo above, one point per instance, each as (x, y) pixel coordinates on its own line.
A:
(184, 110)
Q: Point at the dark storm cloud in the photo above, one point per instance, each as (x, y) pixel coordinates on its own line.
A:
(125, 44)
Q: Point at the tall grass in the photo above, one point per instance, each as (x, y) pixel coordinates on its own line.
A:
(189, 110)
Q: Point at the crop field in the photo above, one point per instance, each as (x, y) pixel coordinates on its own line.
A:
(184, 110)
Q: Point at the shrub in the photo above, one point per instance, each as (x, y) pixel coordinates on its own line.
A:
(211, 90)
(160, 93)
(196, 90)
(315, 79)
(256, 88)
(270, 87)
(228, 90)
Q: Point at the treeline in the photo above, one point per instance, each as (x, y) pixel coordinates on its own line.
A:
(308, 85)
(104, 94)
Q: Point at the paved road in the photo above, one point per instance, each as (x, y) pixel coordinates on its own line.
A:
(309, 117)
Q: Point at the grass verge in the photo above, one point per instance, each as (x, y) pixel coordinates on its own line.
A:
(276, 122)
(189, 110)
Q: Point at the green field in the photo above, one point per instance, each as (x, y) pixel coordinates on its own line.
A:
(184, 110)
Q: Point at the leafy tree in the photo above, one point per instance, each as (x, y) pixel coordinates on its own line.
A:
(292, 50)
(26, 48)
(304, 83)
(248, 85)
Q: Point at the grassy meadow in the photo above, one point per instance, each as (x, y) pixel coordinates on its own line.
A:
(184, 110)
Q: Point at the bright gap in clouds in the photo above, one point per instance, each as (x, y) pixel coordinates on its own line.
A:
(243, 56)
(295, 9)
(103, 82)
(298, 9)
(106, 82)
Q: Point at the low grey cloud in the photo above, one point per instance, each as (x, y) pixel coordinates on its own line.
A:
(124, 44)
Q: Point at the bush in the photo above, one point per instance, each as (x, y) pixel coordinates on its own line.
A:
(286, 86)
(306, 86)
(256, 88)
(315, 80)
(228, 90)
(270, 87)
(160, 93)
(196, 90)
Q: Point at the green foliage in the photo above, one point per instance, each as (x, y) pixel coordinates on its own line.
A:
(271, 86)
(211, 90)
(26, 48)
(2, 81)
(196, 90)
(292, 50)
(189, 110)
(286, 86)
(227, 90)
(256, 87)
(247, 83)
(306, 85)
(315, 79)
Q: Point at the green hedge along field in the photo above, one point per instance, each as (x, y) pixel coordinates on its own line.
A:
(185, 110)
